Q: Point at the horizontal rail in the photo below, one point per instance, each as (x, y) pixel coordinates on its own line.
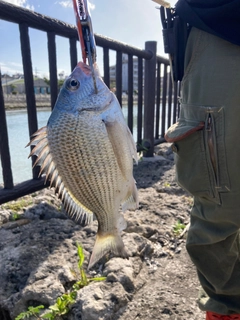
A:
(39, 21)
(36, 20)
(22, 189)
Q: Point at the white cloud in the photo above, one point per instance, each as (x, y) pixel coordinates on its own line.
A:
(10, 68)
(21, 3)
(30, 7)
(16, 64)
(16, 2)
(68, 4)
(91, 5)
(65, 4)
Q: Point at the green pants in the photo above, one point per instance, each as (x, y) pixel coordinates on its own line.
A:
(207, 157)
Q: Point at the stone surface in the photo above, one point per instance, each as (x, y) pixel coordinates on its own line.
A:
(158, 281)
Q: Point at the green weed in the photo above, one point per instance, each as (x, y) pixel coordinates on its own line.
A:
(15, 216)
(178, 228)
(61, 306)
(167, 185)
(63, 302)
(19, 205)
(32, 311)
(144, 149)
(83, 280)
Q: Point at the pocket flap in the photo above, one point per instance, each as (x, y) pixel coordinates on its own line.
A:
(182, 129)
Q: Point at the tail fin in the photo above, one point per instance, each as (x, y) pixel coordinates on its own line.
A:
(107, 243)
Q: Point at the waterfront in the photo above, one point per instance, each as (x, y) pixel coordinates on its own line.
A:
(18, 136)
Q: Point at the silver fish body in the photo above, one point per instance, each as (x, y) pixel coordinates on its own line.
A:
(87, 153)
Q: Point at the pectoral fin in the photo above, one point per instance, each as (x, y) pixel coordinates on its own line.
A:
(132, 145)
(122, 144)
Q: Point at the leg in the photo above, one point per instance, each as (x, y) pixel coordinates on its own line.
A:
(211, 91)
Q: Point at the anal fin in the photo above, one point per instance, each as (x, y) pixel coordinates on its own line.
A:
(131, 201)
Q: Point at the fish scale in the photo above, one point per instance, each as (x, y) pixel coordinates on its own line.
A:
(90, 191)
(87, 152)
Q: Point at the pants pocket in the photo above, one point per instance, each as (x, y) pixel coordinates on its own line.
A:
(198, 145)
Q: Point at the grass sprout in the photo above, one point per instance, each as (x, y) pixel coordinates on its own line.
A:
(178, 228)
(63, 303)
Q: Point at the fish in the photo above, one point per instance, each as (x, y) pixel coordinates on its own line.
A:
(87, 153)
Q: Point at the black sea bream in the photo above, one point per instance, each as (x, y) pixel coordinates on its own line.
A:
(87, 152)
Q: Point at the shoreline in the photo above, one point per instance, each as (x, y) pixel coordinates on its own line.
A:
(24, 108)
(45, 104)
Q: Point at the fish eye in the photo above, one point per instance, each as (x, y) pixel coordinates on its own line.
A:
(73, 84)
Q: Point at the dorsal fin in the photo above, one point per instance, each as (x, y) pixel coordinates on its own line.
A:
(41, 149)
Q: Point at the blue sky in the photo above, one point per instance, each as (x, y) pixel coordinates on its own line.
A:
(129, 21)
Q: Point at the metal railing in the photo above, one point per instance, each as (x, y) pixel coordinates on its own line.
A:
(155, 91)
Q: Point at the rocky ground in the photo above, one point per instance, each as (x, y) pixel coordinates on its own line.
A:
(38, 255)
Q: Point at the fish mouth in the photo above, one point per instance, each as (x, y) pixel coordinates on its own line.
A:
(97, 108)
(85, 68)
(91, 109)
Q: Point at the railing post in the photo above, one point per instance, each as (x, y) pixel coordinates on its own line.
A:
(4, 144)
(106, 66)
(130, 92)
(140, 101)
(149, 98)
(29, 86)
(73, 52)
(119, 77)
(52, 57)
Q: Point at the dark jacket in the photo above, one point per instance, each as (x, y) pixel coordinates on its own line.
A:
(218, 17)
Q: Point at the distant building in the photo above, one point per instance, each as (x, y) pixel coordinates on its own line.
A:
(6, 77)
(18, 76)
(16, 85)
(125, 73)
(61, 75)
